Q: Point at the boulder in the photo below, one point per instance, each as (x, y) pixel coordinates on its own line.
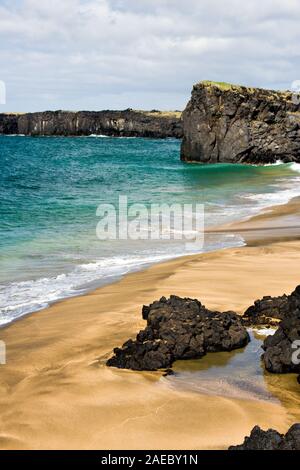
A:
(280, 354)
(179, 328)
(270, 310)
(281, 347)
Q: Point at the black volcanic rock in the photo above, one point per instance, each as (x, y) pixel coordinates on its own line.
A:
(271, 440)
(235, 124)
(128, 123)
(179, 329)
(284, 312)
(280, 347)
(8, 124)
(269, 310)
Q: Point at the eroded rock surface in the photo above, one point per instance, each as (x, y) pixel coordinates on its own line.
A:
(236, 124)
(179, 329)
(271, 440)
(8, 124)
(270, 310)
(281, 354)
(128, 123)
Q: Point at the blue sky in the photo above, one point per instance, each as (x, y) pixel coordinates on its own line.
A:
(144, 54)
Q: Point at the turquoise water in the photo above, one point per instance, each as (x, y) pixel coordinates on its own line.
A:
(51, 188)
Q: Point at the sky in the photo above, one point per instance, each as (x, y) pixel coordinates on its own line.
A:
(142, 54)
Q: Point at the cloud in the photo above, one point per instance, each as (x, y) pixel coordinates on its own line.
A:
(94, 54)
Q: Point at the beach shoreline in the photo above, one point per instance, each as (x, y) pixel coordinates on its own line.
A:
(56, 392)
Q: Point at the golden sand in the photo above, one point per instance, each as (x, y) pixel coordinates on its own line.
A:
(57, 393)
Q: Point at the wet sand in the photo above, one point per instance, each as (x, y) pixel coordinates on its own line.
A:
(280, 222)
(57, 393)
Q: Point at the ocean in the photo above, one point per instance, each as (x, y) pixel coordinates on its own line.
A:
(50, 191)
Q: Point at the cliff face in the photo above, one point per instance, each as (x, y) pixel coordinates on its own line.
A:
(8, 124)
(113, 123)
(234, 124)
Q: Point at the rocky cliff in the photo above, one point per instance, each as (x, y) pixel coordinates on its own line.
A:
(235, 124)
(8, 124)
(128, 123)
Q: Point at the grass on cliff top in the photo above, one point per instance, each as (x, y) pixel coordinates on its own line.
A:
(156, 113)
(225, 86)
(13, 113)
(272, 94)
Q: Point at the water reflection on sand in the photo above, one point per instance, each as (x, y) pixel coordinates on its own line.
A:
(237, 374)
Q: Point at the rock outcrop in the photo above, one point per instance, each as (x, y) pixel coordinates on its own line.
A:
(9, 124)
(235, 124)
(281, 354)
(128, 123)
(281, 347)
(270, 310)
(271, 440)
(179, 329)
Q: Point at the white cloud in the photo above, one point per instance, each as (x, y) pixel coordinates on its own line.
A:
(96, 54)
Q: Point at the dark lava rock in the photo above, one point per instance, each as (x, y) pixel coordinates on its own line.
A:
(269, 310)
(271, 440)
(8, 123)
(127, 123)
(260, 440)
(280, 349)
(235, 124)
(168, 372)
(179, 329)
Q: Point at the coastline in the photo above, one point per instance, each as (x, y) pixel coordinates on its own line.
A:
(276, 223)
(41, 264)
(56, 391)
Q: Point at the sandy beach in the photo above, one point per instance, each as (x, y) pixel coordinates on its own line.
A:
(57, 393)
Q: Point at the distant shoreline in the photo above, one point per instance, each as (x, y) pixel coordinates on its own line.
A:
(127, 123)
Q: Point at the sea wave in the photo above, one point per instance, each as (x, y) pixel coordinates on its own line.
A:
(278, 162)
(20, 298)
(102, 136)
(48, 214)
(98, 136)
(281, 193)
(295, 167)
(14, 135)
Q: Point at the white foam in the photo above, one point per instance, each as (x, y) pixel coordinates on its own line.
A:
(20, 298)
(278, 162)
(295, 167)
(14, 135)
(103, 136)
(98, 136)
(264, 331)
(285, 190)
